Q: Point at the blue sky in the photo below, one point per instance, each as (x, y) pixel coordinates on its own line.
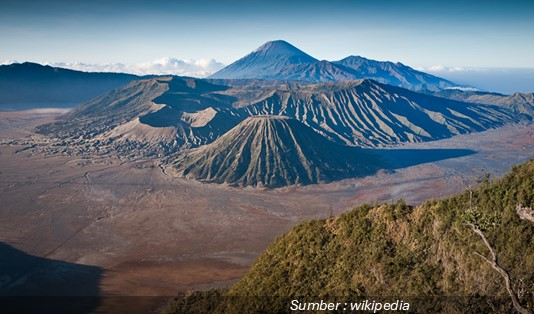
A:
(418, 33)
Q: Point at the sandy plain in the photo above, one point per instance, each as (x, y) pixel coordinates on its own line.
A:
(134, 231)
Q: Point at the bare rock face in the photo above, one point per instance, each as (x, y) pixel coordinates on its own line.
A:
(160, 116)
(525, 213)
(369, 114)
(273, 151)
(522, 103)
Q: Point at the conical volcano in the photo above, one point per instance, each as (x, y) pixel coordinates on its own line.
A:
(270, 61)
(274, 151)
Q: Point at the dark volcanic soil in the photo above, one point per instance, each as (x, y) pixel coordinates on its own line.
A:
(153, 235)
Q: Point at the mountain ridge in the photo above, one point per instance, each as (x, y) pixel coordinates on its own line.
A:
(279, 60)
(160, 116)
(522, 103)
(151, 117)
(31, 83)
(367, 113)
(396, 74)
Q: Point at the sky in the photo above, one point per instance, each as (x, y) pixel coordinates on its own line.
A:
(206, 34)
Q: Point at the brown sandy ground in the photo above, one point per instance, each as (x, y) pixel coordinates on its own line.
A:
(154, 235)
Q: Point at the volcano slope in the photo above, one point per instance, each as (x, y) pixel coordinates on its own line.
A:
(396, 74)
(148, 118)
(274, 151)
(162, 116)
(517, 102)
(279, 60)
(369, 114)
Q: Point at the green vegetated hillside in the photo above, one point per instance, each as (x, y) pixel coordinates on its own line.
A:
(430, 255)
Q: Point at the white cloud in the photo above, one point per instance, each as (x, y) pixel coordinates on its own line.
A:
(7, 62)
(163, 66)
(188, 67)
(465, 89)
(442, 68)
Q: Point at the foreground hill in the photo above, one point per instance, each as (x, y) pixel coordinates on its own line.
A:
(438, 256)
(274, 151)
(279, 60)
(31, 85)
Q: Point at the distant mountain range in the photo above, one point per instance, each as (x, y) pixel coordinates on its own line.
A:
(31, 85)
(279, 60)
(208, 129)
(157, 117)
(517, 102)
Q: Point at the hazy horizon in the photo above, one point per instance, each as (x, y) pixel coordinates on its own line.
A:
(499, 80)
(199, 38)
